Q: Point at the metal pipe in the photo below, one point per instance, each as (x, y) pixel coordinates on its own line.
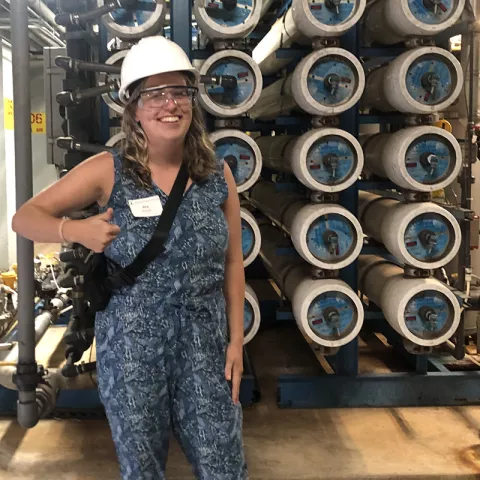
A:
(27, 408)
(44, 12)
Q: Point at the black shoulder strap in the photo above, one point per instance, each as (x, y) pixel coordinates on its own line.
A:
(155, 246)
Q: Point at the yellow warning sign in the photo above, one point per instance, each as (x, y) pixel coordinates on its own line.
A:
(37, 119)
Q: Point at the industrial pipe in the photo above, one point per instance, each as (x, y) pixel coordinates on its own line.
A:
(27, 371)
(422, 235)
(326, 82)
(393, 21)
(326, 235)
(251, 315)
(43, 12)
(227, 19)
(111, 98)
(230, 102)
(328, 312)
(422, 159)
(423, 311)
(116, 140)
(323, 159)
(305, 18)
(242, 155)
(251, 238)
(420, 81)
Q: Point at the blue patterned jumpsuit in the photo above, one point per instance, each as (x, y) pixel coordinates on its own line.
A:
(161, 343)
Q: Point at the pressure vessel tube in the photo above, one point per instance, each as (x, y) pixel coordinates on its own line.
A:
(111, 98)
(323, 159)
(242, 155)
(422, 310)
(251, 315)
(326, 235)
(226, 101)
(420, 81)
(251, 238)
(392, 21)
(327, 312)
(227, 19)
(422, 159)
(423, 235)
(326, 82)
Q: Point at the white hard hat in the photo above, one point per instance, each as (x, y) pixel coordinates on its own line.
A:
(151, 56)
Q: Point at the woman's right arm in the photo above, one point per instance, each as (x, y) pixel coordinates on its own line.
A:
(91, 181)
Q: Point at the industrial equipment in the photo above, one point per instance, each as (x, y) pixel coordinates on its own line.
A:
(324, 159)
(393, 21)
(251, 238)
(422, 159)
(111, 98)
(225, 102)
(419, 81)
(326, 82)
(242, 155)
(326, 235)
(328, 312)
(251, 315)
(227, 19)
(423, 235)
(422, 310)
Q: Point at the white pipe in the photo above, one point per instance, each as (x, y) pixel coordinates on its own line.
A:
(251, 238)
(241, 152)
(243, 97)
(220, 29)
(422, 159)
(327, 236)
(251, 314)
(282, 34)
(327, 312)
(326, 82)
(423, 311)
(392, 21)
(420, 81)
(323, 159)
(422, 235)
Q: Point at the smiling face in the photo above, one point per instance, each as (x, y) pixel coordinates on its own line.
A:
(164, 121)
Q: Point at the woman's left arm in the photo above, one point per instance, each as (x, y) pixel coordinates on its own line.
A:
(234, 286)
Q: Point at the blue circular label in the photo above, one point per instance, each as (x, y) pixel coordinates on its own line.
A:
(134, 18)
(332, 315)
(428, 314)
(431, 12)
(332, 12)
(239, 156)
(430, 79)
(332, 80)
(248, 239)
(247, 317)
(232, 97)
(429, 237)
(235, 14)
(430, 159)
(331, 160)
(331, 238)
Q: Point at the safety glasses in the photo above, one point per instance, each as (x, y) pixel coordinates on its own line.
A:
(157, 98)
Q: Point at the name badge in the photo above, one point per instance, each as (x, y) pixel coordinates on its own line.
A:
(146, 207)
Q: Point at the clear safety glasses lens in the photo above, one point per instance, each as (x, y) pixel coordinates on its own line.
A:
(158, 98)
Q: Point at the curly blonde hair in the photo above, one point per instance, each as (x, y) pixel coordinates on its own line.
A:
(199, 153)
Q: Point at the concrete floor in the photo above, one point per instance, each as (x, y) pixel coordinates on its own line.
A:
(403, 443)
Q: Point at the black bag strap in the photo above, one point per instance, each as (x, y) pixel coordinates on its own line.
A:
(156, 245)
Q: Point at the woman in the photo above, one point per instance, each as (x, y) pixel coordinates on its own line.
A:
(162, 354)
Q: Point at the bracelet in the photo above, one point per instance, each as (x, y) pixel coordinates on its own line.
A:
(60, 230)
